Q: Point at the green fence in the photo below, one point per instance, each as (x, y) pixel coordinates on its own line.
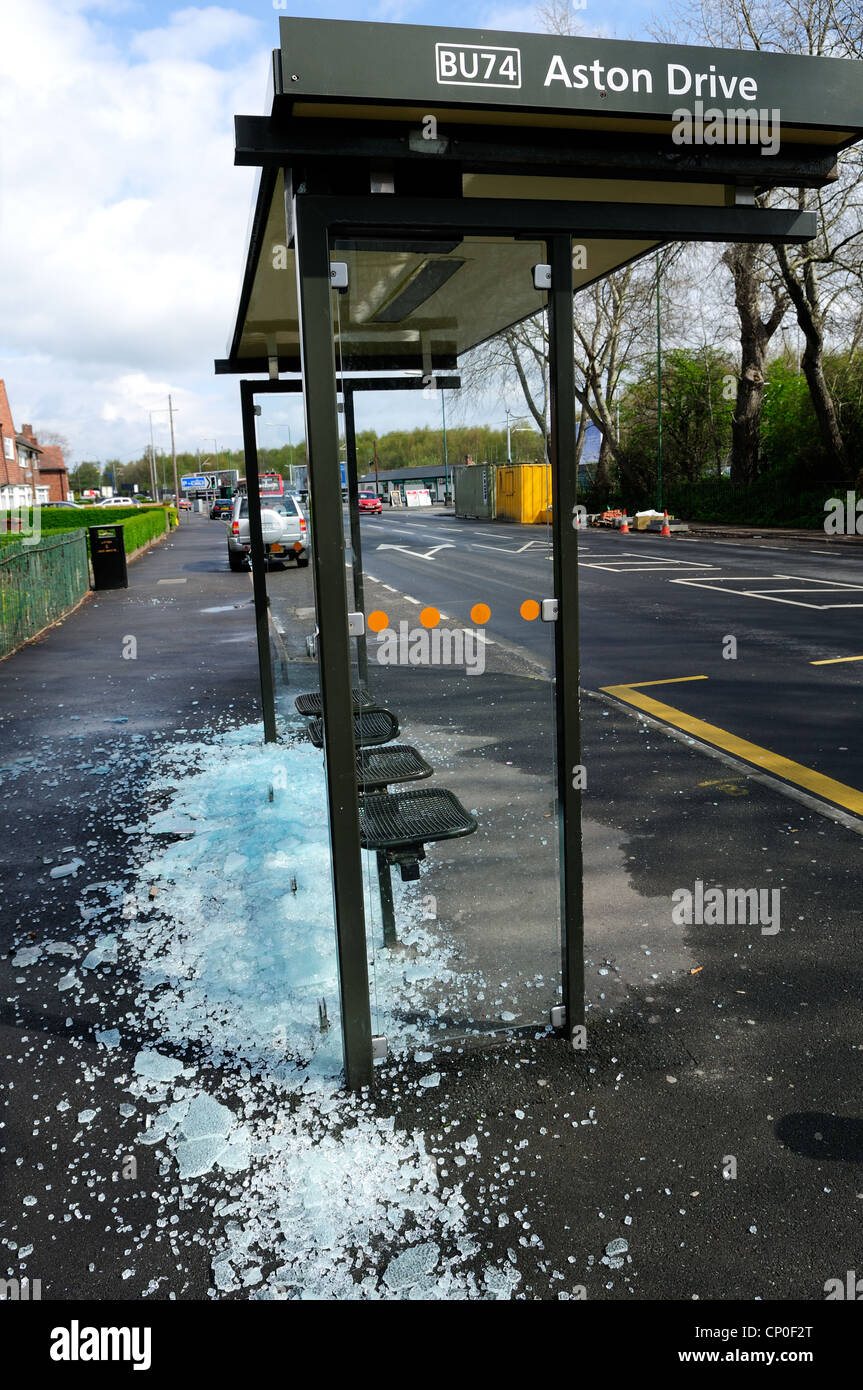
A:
(39, 583)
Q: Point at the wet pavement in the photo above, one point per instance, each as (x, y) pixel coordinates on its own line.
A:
(713, 1120)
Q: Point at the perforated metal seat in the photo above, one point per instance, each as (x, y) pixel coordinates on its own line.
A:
(396, 762)
(310, 704)
(398, 821)
(371, 726)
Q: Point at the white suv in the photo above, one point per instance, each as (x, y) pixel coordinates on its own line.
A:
(285, 529)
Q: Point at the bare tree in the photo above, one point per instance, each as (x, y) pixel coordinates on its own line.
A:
(817, 276)
(746, 263)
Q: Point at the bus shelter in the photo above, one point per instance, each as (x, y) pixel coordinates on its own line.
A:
(421, 191)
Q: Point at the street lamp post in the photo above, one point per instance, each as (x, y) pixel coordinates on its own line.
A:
(658, 390)
(510, 431)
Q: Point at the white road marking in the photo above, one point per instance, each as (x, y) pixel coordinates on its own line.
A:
(505, 549)
(416, 554)
(811, 586)
(652, 567)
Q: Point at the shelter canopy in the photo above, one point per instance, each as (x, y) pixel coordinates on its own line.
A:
(360, 109)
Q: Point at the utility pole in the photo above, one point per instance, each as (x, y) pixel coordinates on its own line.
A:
(174, 459)
(377, 488)
(153, 478)
(658, 389)
(445, 455)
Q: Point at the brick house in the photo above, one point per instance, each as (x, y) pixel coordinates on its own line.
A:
(29, 471)
(16, 484)
(53, 479)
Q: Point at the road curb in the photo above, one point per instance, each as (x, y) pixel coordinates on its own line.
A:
(812, 803)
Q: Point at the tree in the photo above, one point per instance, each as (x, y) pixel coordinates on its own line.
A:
(85, 475)
(745, 261)
(819, 275)
(696, 419)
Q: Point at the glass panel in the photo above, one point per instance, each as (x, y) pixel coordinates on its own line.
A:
(458, 771)
(296, 926)
(284, 508)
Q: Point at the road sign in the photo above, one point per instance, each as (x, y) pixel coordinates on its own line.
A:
(195, 482)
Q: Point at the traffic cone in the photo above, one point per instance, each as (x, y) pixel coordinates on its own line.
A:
(624, 525)
(665, 529)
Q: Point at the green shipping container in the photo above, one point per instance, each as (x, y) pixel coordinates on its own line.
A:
(475, 490)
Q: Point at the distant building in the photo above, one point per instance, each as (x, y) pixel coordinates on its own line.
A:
(592, 443)
(17, 468)
(29, 471)
(53, 474)
(392, 479)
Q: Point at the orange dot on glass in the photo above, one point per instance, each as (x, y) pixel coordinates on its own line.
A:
(480, 614)
(378, 620)
(430, 617)
(529, 610)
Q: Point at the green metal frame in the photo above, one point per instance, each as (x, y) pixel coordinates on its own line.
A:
(313, 222)
(259, 560)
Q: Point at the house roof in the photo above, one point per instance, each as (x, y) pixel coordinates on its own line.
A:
(6, 423)
(52, 459)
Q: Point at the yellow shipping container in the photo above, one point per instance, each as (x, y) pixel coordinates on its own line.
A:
(524, 493)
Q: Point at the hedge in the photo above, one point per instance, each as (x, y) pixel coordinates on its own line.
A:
(140, 524)
(771, 501)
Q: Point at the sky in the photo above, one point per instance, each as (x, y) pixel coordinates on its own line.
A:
(123, 219)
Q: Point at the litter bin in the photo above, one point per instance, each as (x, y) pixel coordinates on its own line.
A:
(108, 554)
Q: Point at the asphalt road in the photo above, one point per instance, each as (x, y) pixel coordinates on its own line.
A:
(664, 610)
(705, 1042)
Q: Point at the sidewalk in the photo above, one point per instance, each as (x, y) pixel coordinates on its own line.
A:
(478, 1170)
(771, 533)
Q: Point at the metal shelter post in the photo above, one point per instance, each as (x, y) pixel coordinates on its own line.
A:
(356, 539)
(328, 549)
(564, 491)
(259, 561)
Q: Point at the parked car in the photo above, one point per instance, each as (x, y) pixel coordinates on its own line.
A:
(221, 508)
(75, 505)
(284, 526)
(370, 502)
(119, 502)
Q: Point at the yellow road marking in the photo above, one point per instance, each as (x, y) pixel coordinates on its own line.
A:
(835, 660)
(815, 782)
(672, 680)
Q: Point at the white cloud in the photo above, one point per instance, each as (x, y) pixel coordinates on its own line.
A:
(122, 218)
(195, 34)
